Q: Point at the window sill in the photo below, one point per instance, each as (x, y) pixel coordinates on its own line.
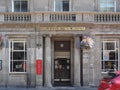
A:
(17, 73)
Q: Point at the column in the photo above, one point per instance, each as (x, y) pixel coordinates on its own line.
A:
(39, 57)
(47, 61)
(76, 61)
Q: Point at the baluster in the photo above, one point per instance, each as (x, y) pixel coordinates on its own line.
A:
(70, 17)
(13, 18)
(62, 17)
(100, 17)
(5, 17)
(24, 18)
(103, 16)
(113, 18)
(67, 17)
(106, 17)
(118, 17)
(50, 16)
(9, 17)
(53, 17)
(28, 18)
(58, 16)
(95, 17)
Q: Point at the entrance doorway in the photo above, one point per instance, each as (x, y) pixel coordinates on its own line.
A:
(62, 63)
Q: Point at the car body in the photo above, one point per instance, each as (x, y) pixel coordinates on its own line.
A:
(110, 83)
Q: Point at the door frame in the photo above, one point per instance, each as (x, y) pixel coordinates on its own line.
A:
(71, 56)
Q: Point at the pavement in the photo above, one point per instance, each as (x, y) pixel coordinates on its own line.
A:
(49, 88)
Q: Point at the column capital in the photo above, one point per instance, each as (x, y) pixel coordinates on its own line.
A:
(47, 35)
(77, 35)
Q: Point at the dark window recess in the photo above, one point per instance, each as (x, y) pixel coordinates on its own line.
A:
(17, 6)
(24, 6)
(66, 5)
(74, 17)
(18, 46)
(19, 66)
(19, 55)
(20, 6)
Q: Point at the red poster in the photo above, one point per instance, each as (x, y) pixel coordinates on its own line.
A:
(38, 67)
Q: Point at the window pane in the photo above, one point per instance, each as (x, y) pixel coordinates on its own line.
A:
(58, 5)
(20, 6)
(103, 1)
(18, 66)
(111, 9)
(24, 6)
(19, 56)
(111, 65)
(112, 55)
(66, 5)
(103, 5)
(109, 5)
(109, 46)
(62, 5)
(18, 46)
(17, 6)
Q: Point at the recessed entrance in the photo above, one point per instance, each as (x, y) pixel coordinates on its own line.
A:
(62, 63)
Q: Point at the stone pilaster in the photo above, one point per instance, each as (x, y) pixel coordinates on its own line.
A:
(76, 62)
(47, 61)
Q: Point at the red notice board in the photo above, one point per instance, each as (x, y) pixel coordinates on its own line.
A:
(38, 67)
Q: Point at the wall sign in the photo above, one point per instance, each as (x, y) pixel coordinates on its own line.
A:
(38, 67)
(62, 28)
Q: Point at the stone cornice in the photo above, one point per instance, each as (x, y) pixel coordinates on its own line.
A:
(34, 25)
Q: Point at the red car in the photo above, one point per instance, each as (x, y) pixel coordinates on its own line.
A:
(110, 83)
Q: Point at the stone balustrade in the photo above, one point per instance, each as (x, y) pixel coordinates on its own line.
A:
(107, 17)
(62, 17)
(17, 17)
(40, 17)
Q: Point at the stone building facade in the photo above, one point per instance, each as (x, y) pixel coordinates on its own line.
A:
(41, 42)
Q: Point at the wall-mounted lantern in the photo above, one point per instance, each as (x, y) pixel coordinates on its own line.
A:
(38, 39)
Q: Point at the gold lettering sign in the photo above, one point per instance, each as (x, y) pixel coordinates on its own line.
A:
(62, 28)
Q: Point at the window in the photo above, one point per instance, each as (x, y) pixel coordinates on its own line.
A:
(20, 6)
(18, 56)
(62, 5)
(107, 5)
(109, 55)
